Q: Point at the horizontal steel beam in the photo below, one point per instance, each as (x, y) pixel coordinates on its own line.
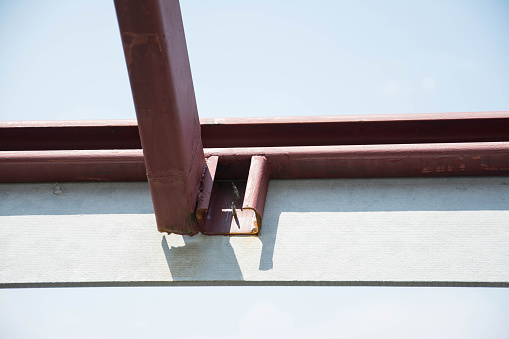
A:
(69, 135)
(357, 130)
(406, 160)
(48, 166)
(267, 132)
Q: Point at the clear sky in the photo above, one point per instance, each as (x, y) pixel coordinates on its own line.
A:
(64, 60)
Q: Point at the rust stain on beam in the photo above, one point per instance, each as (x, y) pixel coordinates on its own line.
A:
(160, 75)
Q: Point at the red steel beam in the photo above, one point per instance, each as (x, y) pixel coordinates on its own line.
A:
(267, 132)
(357, 130)
(53, 166)
(417, 160)
(202, 205)
(361, 161)
(257, 186)
(69, 135)
(160, 75)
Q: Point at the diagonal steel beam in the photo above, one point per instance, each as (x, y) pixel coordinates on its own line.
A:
(160, 75)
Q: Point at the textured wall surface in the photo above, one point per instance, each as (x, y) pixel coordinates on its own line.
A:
(446, 231)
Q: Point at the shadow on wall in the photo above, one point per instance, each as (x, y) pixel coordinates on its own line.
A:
(214, 258)
(202, 258)
(267, 236)
(375, 195)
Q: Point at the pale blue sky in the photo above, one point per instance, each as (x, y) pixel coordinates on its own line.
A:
(255, 313)
(64, 60)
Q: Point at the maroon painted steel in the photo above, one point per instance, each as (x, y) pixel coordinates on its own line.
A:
(248, 197)
(52, 166)
(356, 130)
(257, 186)
(268, 132)
(358, 161)
(220, 218)
(419, 160)
(156, 55)
(207, 183)
(69, 135)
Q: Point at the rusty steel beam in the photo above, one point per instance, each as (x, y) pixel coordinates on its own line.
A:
(418, 160)
(160, 75)
(267, 132)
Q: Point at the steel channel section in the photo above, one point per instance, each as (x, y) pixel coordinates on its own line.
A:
(221, 218)
(160, 76)
(356, 130)
(69, 135)
(267, 132)
(236, 206)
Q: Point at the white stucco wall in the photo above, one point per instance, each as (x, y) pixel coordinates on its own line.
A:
(445, 231)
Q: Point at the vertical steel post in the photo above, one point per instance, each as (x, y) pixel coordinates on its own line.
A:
(160, 75)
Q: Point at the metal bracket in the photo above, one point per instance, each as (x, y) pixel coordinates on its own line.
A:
(232, 207)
